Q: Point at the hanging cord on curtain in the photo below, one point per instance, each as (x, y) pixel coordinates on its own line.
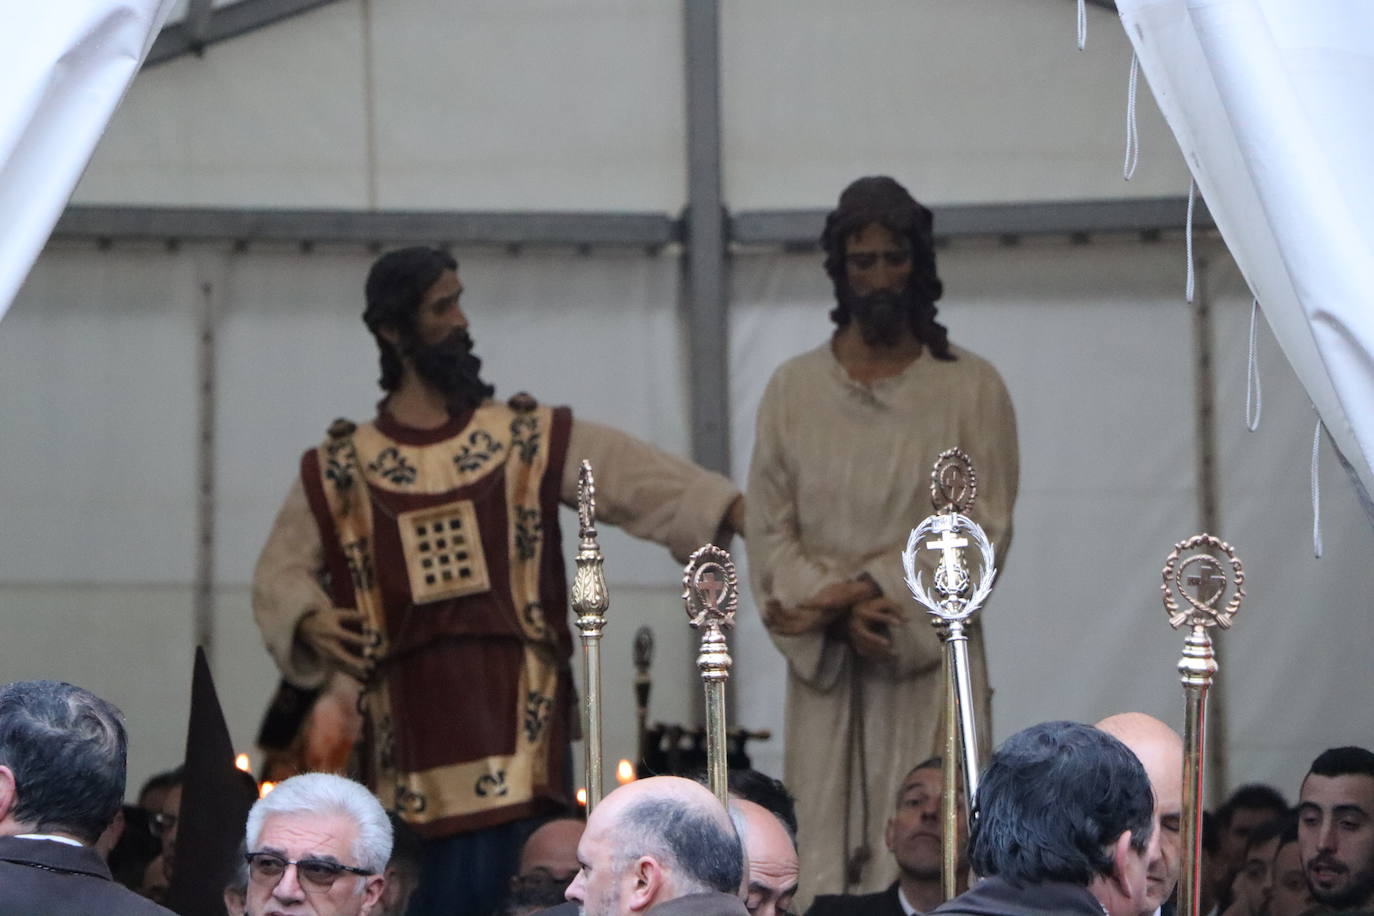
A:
(1082, 24)
(1188, 241)
(1316, 494)
(1132, 136)
(1252, 376)
(856, 857)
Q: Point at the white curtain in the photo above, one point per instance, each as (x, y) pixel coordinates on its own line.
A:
(65, 64)
(1270, 102)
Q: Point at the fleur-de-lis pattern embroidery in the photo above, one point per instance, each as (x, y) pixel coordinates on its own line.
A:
(534, 619)
(527, 533)
(410, 802)
(492, 784)
(480, 449)
(538, 708)
(525, 437)
(338, 468)
(391, 465)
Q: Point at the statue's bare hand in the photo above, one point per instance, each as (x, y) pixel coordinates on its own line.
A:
(794, 621)
(870, 627)
(840, 596)
(336, 634)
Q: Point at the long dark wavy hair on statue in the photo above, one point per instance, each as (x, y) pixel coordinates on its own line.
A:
(395, 286)
(882, 200)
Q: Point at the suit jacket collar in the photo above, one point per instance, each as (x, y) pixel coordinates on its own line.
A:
(82, 860)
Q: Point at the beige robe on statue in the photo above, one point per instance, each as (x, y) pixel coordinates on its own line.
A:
(840, 475)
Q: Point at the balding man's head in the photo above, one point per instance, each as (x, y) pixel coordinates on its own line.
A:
(773, 867)
(1160, 750)
(655, 840)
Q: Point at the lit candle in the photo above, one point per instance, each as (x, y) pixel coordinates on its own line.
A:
(242, 762)
(265, 788)
(625, 772)
(582, 797)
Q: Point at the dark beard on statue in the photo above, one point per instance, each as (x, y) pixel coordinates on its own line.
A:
(882, 316)
(450, 367)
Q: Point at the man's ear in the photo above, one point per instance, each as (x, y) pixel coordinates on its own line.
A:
(9, 793)
(888, 832)
(389, 333)
(372, 893)
(1121, 872)
(646, 879)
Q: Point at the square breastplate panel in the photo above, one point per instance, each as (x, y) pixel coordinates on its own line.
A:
(443, 552)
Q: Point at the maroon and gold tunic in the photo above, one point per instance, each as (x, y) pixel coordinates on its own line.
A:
(448, 541)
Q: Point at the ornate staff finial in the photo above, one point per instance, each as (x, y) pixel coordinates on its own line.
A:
(1201, 580)
(953, 484)
(590, 601)
(710, 590)
(956, 597)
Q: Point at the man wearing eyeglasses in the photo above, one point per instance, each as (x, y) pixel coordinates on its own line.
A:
(317, 845)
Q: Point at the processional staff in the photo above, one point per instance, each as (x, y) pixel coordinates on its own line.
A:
(590, 601)
(643, 658)
(710, 590)
(953, 487)
(1207, 576)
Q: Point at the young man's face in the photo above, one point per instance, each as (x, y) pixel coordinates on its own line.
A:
(1336, 838)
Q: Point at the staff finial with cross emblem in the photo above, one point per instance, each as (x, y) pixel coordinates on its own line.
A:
(1201, 579)
(710, 589)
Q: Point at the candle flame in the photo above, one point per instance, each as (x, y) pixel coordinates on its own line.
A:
(241, 762)
(625, 772)
(582, 797)
(266, 787)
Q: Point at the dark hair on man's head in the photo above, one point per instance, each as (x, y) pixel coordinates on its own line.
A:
(395, 286)
(1211, 835)
(704, 852)
(882, 200)
(1270, 830)
(1252, 796)
(159, 781)
(766, 792)
(1343, 761)
(1054, 799)
(67, 748)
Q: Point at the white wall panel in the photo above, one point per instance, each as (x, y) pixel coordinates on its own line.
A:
(529, 105)
(97, 419)
(274, 118)
(970, 102)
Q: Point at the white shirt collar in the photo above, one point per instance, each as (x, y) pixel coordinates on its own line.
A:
(906, 904)
(48, 836)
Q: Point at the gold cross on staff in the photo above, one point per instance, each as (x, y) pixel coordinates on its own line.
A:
(1208, 582)
(712, 587)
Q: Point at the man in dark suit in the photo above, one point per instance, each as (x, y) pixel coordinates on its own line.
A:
(915, 837)
(62, 766)
(1063, 824)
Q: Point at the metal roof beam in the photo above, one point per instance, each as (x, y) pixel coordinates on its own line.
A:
(203, 27)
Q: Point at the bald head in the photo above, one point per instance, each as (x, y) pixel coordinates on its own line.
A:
(552, 849)
(773, 867)
(654, 840)
(1160, 750)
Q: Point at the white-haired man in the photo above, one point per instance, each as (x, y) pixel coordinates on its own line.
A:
(317, 844)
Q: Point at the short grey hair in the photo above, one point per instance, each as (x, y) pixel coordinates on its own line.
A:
(326, 793)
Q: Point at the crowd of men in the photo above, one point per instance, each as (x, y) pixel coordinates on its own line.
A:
(1068, 818)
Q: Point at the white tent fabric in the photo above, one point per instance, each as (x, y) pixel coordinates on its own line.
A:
(65, 64)
(1270, 103)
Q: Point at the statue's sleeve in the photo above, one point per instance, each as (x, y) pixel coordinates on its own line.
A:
(648, 492)
(286, 587)
(779, 567)
(987, 433)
